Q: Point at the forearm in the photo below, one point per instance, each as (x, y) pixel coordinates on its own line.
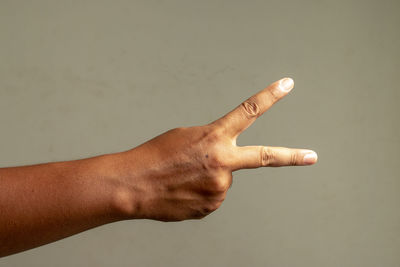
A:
(181, 174)
(43, 203)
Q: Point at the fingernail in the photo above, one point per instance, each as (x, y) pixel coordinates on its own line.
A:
(286, 84)
(310, 158)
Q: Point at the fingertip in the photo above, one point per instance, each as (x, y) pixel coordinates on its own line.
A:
(286, 84)
(310, 157)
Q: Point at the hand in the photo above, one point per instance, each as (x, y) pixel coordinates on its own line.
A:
(185, 173)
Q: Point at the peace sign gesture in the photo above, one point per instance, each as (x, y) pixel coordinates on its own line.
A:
(239, 119)
(185, 173)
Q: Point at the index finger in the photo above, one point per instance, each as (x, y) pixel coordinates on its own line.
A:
(247, 112)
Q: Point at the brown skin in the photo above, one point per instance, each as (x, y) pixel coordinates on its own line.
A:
(181, 174)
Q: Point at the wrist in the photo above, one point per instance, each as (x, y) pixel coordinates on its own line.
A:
(125, 188)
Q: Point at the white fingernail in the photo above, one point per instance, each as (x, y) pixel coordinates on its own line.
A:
(286, 84)
(310, 158)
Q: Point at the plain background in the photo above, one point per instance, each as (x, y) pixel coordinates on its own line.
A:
(83, 78)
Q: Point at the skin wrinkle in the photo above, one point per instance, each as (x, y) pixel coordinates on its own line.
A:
(293, 159)
(266, 156)
(251, 108)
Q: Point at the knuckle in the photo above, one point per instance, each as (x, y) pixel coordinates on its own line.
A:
(220, 185)
(251, 108)
(210, 207)
(214, 206)
(267, 156)
(212, 135)
(207, 208)
(213, 151)
(216, 160)
(215, 134)
(293, 159)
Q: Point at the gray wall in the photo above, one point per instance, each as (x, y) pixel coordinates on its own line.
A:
(77, 76)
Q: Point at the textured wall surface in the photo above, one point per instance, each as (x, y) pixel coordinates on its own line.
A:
(78, 77)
